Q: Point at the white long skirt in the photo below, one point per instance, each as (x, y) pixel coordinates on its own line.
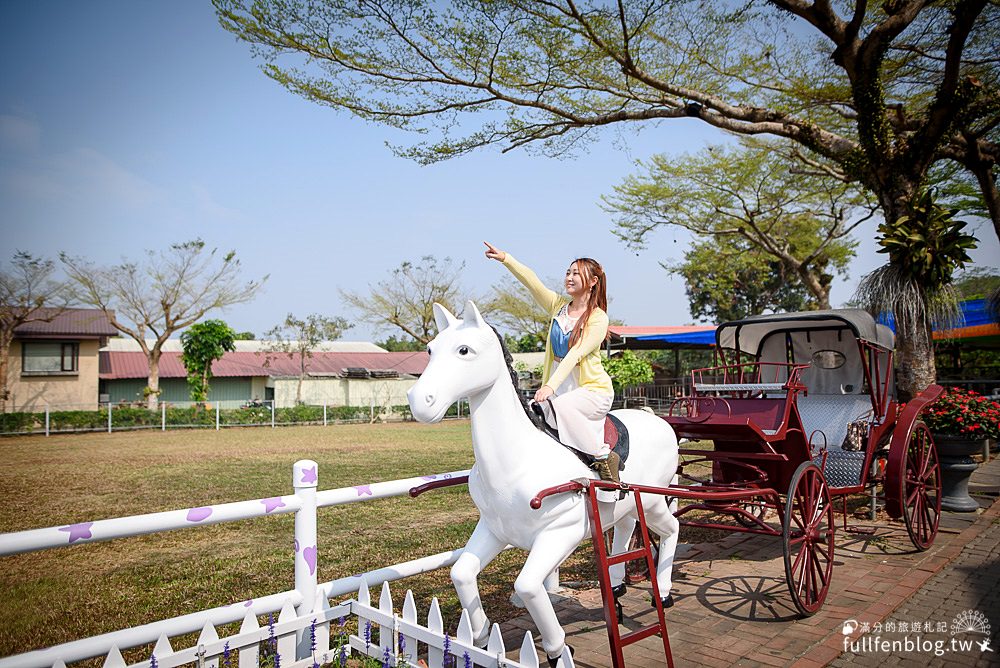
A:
(580, 415)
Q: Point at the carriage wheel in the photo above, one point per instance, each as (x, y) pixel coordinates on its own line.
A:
(807, 536)
(920, 488)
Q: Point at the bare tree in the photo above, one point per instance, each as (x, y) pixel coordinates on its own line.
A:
(405, 301)
(27, 294)
(167, 292)
(298, 338)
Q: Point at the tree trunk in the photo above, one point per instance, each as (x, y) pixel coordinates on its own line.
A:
(4, 385)
(153, 382)
(915, 368)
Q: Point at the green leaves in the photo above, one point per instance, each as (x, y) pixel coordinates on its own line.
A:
(927, 244)
(203, 343)
(628, 369)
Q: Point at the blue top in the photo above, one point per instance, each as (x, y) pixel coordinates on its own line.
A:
(559, 339)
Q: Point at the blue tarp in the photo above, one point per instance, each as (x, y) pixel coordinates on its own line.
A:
(973, 310)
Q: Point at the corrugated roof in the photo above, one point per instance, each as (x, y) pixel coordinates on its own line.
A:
(127, 344)
(623, 331)
(119, 365)
(71, 322)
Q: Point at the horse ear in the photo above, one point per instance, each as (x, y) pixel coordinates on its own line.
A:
(471, 316)
(443, 317)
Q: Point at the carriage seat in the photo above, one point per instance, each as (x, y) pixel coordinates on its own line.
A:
(830, 414)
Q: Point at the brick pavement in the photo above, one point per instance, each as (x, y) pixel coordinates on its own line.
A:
(733, 607)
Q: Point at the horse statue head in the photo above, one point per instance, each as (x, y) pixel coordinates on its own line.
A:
(467, 359)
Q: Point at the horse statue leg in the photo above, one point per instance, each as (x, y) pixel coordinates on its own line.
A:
(624, 529)
(481, 549)
(549, 549)
(662, 522)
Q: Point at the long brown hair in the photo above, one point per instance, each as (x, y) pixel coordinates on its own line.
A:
(588, 269)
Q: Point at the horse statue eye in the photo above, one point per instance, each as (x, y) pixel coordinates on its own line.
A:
(463, 350)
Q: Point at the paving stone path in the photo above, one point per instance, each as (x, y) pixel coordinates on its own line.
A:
(733, 607)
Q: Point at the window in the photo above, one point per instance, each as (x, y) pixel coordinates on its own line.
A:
(49, 358)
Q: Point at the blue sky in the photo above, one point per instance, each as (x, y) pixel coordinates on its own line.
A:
(130, 125)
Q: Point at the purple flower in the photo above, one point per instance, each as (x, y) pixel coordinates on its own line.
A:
(152, 661)
(387, 658)
(468, 660)
(368, 635)
(343, 656)
(226, 655)
(447, 651)
(402, 643)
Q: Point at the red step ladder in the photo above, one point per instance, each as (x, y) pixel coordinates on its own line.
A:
(616, 640)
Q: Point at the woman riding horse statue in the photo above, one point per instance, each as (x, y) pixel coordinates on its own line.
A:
(515, 461)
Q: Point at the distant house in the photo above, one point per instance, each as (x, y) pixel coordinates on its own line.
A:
(339, 373)
(56, 363)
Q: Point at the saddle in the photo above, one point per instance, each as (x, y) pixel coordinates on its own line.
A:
(615, 433)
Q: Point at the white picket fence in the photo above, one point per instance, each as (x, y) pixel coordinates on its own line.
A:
(301, 635)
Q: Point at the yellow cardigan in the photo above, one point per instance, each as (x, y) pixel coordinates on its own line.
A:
(587, 351)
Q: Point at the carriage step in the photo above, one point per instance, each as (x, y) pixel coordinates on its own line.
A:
(640, 634)
(631, 555)
(613, 615)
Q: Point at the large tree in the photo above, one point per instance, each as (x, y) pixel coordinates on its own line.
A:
(746, 199)
(406, 299)
(872, 93)
(28, 293)
(298, 338)
(151, 300)
(727, 279)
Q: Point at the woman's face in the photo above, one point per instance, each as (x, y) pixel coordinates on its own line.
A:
(576, 283)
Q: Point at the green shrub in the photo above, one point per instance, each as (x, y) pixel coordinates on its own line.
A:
(21, 422)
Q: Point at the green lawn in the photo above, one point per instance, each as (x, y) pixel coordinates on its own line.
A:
(68, 593)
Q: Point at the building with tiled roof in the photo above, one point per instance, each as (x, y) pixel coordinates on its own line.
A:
(340, 373)
(55, 361)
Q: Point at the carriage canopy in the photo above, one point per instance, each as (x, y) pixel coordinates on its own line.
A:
(825, 340)
(748, 334)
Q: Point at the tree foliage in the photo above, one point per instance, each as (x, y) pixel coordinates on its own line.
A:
(869, 92)
(28, 293)
(405, 300)
(204, 343)
(298, 338)
(728, 279)
(163, 294)
(746, 198)
(628, 369)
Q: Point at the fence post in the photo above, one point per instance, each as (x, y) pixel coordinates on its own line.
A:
(324, 413)
(163, 416)
(304, 480)
(109, 417)
(216, 416)
(46, 419)
(272, 413)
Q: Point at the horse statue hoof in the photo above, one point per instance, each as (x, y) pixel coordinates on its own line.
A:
(554, 662)
(667, 602)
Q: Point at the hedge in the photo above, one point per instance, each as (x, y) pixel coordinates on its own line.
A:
(138, 418)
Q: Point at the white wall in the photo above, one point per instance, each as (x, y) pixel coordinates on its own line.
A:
(383, 392)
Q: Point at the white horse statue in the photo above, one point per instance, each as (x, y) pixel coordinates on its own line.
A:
(515, 461)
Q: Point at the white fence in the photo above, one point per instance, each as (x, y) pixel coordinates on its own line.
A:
(110, 417)
(301, 636)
